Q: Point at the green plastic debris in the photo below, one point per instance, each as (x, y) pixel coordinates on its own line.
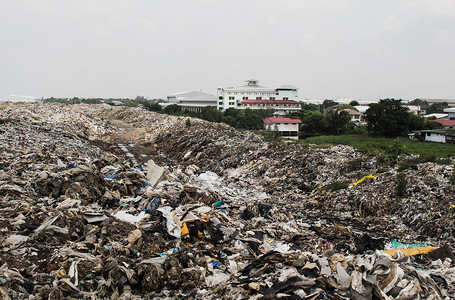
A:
(398, 245)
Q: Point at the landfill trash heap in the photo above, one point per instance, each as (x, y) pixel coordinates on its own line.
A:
(102, 202)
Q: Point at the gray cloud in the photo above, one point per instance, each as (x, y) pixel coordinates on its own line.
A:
(328, 48)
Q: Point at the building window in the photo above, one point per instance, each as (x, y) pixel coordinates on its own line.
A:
(285, 98)
(220, 98)
(231, 98)
(272, 98)
(220, 103)
(245, 98)
(258, 98)
(286, 124)
(231, 103)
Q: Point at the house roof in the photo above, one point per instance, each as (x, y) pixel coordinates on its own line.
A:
(271, 101)
(443, 122)
(352, 112)
(281, 120)
(287, 87)
(436, 115)
(193, 94)
(434, 131)
(252, 85)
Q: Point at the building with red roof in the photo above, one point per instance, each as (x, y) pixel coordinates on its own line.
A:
(280, 107)
(245, 96)
(446, 123)
(288, 128)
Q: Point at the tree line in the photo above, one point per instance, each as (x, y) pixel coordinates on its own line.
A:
(388, 117)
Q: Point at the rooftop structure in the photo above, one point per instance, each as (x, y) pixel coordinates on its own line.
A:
(231, 97)
(191, 100)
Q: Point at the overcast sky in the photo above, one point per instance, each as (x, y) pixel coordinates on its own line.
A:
(327, 48)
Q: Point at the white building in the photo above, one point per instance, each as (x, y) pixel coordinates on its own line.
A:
(289, 128)
(450, 113)
(281, 107)
(437, 116)
(231, 97)
(191, 100)
(353, 114)
(437, 136)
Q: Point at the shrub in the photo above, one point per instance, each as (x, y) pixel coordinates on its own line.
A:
(394, 150)
(406, 165)
(354, 165)
(337, 185)
(428, 157)
(423, 158)
(402, 182)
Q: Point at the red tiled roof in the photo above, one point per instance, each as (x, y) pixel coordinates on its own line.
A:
(271, 101)
(281, 120)
(443, 122)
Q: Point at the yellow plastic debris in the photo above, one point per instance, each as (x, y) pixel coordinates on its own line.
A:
(410, 251)
(363, 178)
(185, 230)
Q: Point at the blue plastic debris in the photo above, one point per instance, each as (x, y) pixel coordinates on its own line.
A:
(216, 264)
(72, 164)
(155, 203)
(111, 176)
(219, 203)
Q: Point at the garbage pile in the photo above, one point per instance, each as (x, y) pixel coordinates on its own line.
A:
(206, 212)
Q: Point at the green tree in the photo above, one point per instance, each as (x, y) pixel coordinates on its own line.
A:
(402, 183)
(430, 125)
(354, 103)
(416, 122)
(387, 118)
(212, 114)
(140, 99)
(436, 108)
(335, 122)
(328, 103)
(347, 106)
(312, 123)
(172, 109)
(309, 106)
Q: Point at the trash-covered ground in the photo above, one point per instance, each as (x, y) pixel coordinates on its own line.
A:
(101, 202)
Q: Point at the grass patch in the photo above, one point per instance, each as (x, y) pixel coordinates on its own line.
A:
(270, 136)
(373, 145)
(421, 159)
